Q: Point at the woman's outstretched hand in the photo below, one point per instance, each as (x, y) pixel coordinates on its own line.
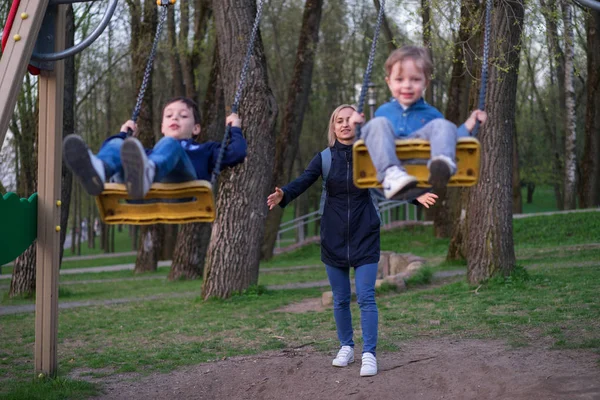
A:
(427, 199)
(275, 198)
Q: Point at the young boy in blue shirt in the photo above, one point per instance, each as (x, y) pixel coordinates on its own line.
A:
(175, 158)
(408, 116)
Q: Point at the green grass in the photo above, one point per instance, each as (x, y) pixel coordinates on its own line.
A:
(138, 288)
(554, 304)
(543, 200)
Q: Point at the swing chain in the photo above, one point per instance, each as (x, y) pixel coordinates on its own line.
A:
(238, 93)
(484, 62)
(367, 75)
(148, 71)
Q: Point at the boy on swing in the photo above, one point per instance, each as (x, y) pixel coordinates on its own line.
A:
(175, 158)
(408, 116)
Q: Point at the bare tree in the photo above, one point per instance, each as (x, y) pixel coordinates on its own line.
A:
(569, 117)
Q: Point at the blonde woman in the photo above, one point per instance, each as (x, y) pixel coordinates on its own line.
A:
(350, 225)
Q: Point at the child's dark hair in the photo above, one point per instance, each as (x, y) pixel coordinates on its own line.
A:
(188, 102)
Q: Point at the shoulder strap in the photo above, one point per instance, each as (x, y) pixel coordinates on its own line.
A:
(325, 167)
(325, 163)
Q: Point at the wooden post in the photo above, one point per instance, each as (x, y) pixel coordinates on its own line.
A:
(16, 55)
(51, 93)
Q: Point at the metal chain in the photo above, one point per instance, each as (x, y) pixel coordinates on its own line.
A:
(238, 93)
(367, 76)
(148, 71)
(484, 62)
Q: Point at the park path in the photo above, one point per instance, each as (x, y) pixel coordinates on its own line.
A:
(27, 308)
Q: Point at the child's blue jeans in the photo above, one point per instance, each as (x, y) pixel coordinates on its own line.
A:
(380, 138)
(172, 162)
(339, 279)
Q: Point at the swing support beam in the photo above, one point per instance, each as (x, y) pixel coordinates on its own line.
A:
(51, 95)
(13, 65)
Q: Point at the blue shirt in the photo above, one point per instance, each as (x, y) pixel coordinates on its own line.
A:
(406, 121)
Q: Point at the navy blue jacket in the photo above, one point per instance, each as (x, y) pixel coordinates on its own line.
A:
(407, 121)
(204, 155)
(350, 224)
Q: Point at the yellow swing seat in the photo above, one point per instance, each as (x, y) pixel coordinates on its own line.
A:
(165, 203)
(414, 154)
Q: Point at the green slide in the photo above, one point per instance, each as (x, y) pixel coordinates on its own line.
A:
(19, 225)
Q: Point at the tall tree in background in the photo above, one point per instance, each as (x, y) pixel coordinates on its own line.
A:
(590, 164)
(143, 28)
(426, 24)
(465, 66)
(68, 126)
(557, 74)
(569, 185)
(234, 249)
(491, 248)
(297, 101)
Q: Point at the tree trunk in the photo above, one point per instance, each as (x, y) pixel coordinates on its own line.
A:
(590, 165)
(68, 128)
(143, 29)
(387, 32)
(297, 101)
(234, 249)
(446, 213)
(516, 180)
(557, 70)
(177, 87)
(22, 283)
(190, 253)
(491, 248)
(426, 26)
(570, 134)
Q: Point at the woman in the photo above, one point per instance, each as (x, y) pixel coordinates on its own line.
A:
(349, 238)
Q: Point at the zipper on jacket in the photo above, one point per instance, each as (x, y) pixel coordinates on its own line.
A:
(348, 193)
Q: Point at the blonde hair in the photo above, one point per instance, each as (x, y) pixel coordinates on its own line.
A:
(331, 131)
(420, 55)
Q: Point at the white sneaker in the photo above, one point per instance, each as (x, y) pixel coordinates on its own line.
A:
(396, 181)
(344, 357)
(88, 168)
(441, 168)
(139, 171)
(369, 365)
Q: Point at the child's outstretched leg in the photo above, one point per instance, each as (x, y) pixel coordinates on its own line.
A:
(167, 160)
(139, 171)
(91, 170)
(379, 137)
(442, 136)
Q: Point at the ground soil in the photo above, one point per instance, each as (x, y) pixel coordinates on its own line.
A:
(423, 369)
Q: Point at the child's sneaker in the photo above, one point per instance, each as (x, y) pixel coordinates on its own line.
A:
(138, 170)
(441, 168)
(397, 181)
(88, 168)
(369, 365)
(344, 357)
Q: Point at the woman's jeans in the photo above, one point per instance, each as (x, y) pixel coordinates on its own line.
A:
(172, 162)
(365, 276)
(380, 140)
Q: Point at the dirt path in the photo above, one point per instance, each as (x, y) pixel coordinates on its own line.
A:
(425, 369)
